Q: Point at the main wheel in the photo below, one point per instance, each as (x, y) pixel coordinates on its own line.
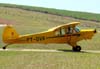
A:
(4, 48)
(77, 48)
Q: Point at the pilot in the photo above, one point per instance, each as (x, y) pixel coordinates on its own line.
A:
(69, 30)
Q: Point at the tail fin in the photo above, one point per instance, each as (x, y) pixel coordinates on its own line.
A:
(9, 33)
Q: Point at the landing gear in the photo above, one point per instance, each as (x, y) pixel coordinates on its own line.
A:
(4, 48)
(77, 48)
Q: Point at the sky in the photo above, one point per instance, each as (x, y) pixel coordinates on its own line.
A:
(92, 6)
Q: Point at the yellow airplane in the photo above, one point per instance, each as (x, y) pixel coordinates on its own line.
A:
(68, 33)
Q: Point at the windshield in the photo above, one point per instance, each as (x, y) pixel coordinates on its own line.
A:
(77, 29)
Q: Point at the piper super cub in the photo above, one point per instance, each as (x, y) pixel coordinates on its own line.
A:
(63, 34)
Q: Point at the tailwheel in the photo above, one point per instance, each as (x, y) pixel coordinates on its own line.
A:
(4, 47)
(77, 48)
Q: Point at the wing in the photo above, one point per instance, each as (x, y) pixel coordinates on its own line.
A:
(72, 24)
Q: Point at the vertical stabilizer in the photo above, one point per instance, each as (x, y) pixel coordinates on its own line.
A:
(9, 33)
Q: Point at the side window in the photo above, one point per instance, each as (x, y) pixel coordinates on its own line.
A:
(69, 30)
(60, 32)
(63, 31)
(57, 33)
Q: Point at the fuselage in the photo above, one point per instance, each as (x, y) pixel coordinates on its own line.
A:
(55, 36)
(63, 34)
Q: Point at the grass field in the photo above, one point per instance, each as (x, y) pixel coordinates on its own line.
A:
(45, 60)
(73, 14)
(26, 22)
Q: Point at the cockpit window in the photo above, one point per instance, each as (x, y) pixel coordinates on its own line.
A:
(77, 29)
(68, 30)
(71, 30)
(57, 33)
(63, 31)
(60, 32)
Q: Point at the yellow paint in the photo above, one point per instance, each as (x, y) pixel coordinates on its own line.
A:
(57, 34)
(9, 34)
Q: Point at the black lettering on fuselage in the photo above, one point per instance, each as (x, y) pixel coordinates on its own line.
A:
(29, 39)
(40, 38)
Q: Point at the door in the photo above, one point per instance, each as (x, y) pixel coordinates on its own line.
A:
(72, 34)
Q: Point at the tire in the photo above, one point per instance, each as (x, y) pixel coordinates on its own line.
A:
(77, 49)
(4, 48)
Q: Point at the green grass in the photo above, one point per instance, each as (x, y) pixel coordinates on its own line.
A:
(26, 22)
(43, 60)
(73, 14)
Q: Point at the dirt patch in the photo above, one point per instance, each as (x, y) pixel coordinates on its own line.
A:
(6, 21)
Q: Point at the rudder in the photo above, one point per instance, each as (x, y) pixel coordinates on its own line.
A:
(9, 33)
